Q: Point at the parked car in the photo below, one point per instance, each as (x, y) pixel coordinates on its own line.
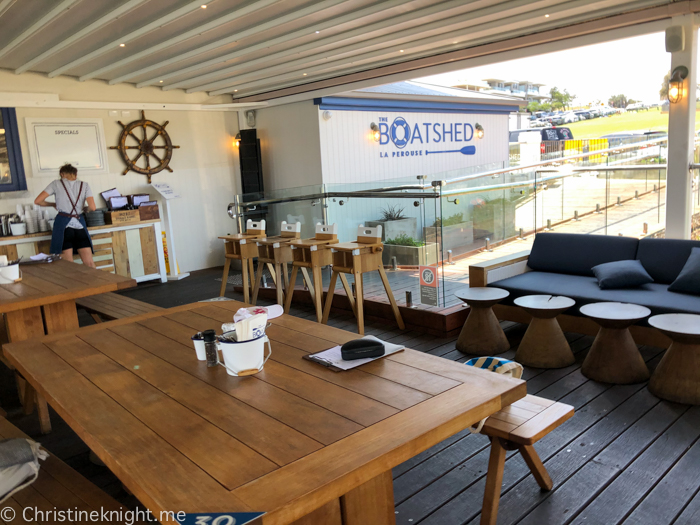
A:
(583, 114)
(549, 134)
(629, 137)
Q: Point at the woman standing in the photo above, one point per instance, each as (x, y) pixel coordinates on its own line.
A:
(70, 234)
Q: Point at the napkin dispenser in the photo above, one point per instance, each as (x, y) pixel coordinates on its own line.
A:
(361, 349)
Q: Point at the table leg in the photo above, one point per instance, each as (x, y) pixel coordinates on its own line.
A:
(614, 358)
(25, 324)
(348, 293)
(309, 283)
(61, 317)
(329, 514)
(256, 286)
(371, 502)
(329, 298)
(290, 289)
(392, 300)
(482, 333)
(318, 289)
(278, 284)
(244, 273)
(224, 278)
(251, 273)
(359, 302)
(544, 345)
(677, 377)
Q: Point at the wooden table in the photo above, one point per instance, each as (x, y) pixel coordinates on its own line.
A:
(44, 303)
(482, 333)
(614, 356)
(677, 377)
(298, 441)
(544, 344)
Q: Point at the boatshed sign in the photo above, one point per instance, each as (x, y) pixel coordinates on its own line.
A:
(409, 144)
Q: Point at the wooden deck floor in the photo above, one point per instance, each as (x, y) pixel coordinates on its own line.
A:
(625, 457)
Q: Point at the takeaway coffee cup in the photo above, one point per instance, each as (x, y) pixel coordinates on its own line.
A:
(198, 341)
(246, 357)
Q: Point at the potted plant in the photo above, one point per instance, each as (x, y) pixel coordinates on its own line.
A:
(452, 233)
(394, 223)
(409, 251)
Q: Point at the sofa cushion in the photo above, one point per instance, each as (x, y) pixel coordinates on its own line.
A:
(688, 281)
(585, 290)
(577, 254)
(621, 274)
(664, 258)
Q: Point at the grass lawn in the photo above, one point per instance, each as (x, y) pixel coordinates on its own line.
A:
(650, 120)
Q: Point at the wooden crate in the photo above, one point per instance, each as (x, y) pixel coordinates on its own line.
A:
(149, 213)
(122, 217)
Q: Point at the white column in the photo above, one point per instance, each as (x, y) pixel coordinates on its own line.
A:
(681, 131)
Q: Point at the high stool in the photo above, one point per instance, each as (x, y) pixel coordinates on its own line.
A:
(314, 254)
(240, 248)
(362, 256)
(276, 252)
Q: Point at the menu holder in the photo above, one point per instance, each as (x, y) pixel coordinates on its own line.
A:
(117, 203)
(137, 198)
(333, 359)
(106, 195)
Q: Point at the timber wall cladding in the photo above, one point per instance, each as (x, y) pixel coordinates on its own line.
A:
(130, 253)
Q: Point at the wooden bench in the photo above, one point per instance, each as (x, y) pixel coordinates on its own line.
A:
(114, 306)
(518, 427)
(58, 486)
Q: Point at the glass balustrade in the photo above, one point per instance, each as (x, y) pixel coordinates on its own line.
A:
(450, 220)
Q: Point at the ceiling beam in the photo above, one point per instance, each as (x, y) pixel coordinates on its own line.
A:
(5, 5)
(405, 37)
(91, 28)
(289, 17)
(219, 21)
(322, 26)
(624, 25)
(173, 15)
(484, 31)
(36, 26)
(408, 17)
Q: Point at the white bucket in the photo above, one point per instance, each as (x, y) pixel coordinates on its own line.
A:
(9, 274)
(247, 357)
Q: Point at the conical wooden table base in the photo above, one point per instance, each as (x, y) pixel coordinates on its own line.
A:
(482, 334)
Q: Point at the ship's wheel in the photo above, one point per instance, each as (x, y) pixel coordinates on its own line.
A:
(145, 147)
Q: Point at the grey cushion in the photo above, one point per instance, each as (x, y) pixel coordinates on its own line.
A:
(576, 254)
(621, 274)
(688, 281)
(664, 258)
(585, 290)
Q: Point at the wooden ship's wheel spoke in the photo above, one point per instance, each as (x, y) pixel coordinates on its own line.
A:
(145, 147)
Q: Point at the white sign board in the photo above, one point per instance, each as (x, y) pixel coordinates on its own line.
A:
(55, 142)
(410, 144)
(166, 190)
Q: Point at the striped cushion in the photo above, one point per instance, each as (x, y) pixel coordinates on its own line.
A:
(498, 365)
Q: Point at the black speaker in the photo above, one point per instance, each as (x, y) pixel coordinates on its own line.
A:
(251, 171)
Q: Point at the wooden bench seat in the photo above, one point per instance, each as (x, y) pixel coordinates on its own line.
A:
(58, 486)
(114, 306)
(518, 427)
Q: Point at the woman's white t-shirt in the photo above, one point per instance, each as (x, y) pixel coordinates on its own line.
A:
(63, 203)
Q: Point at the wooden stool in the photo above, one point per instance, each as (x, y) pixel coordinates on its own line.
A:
(240, 248)
(362, 256)
(276, 252)
(518, 427)
(314, 254)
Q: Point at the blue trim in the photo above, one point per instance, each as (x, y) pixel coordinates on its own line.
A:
(410, 106)
(14, 152)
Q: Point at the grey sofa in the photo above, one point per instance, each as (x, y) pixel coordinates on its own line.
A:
(560, 264)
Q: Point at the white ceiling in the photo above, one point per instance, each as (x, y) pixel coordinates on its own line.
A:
(246, 48)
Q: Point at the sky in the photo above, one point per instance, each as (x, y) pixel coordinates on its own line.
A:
(634, 67)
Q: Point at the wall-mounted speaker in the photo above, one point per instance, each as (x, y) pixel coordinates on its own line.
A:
(675, 39)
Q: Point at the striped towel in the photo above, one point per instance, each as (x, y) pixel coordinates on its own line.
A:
(498, 365)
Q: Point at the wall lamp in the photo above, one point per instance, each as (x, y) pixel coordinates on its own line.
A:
(675, 84)
(237, 140)
(375, 131)
(479, 131)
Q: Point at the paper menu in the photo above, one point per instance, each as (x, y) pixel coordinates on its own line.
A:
(333, 357)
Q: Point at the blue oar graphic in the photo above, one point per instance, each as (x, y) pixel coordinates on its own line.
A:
(466, 150)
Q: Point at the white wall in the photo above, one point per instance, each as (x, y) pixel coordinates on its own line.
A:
(290, 145)
(206, 171)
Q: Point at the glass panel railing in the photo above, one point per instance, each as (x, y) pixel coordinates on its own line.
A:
(452, 219)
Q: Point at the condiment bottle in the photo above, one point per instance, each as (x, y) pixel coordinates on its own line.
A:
(210, 348)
